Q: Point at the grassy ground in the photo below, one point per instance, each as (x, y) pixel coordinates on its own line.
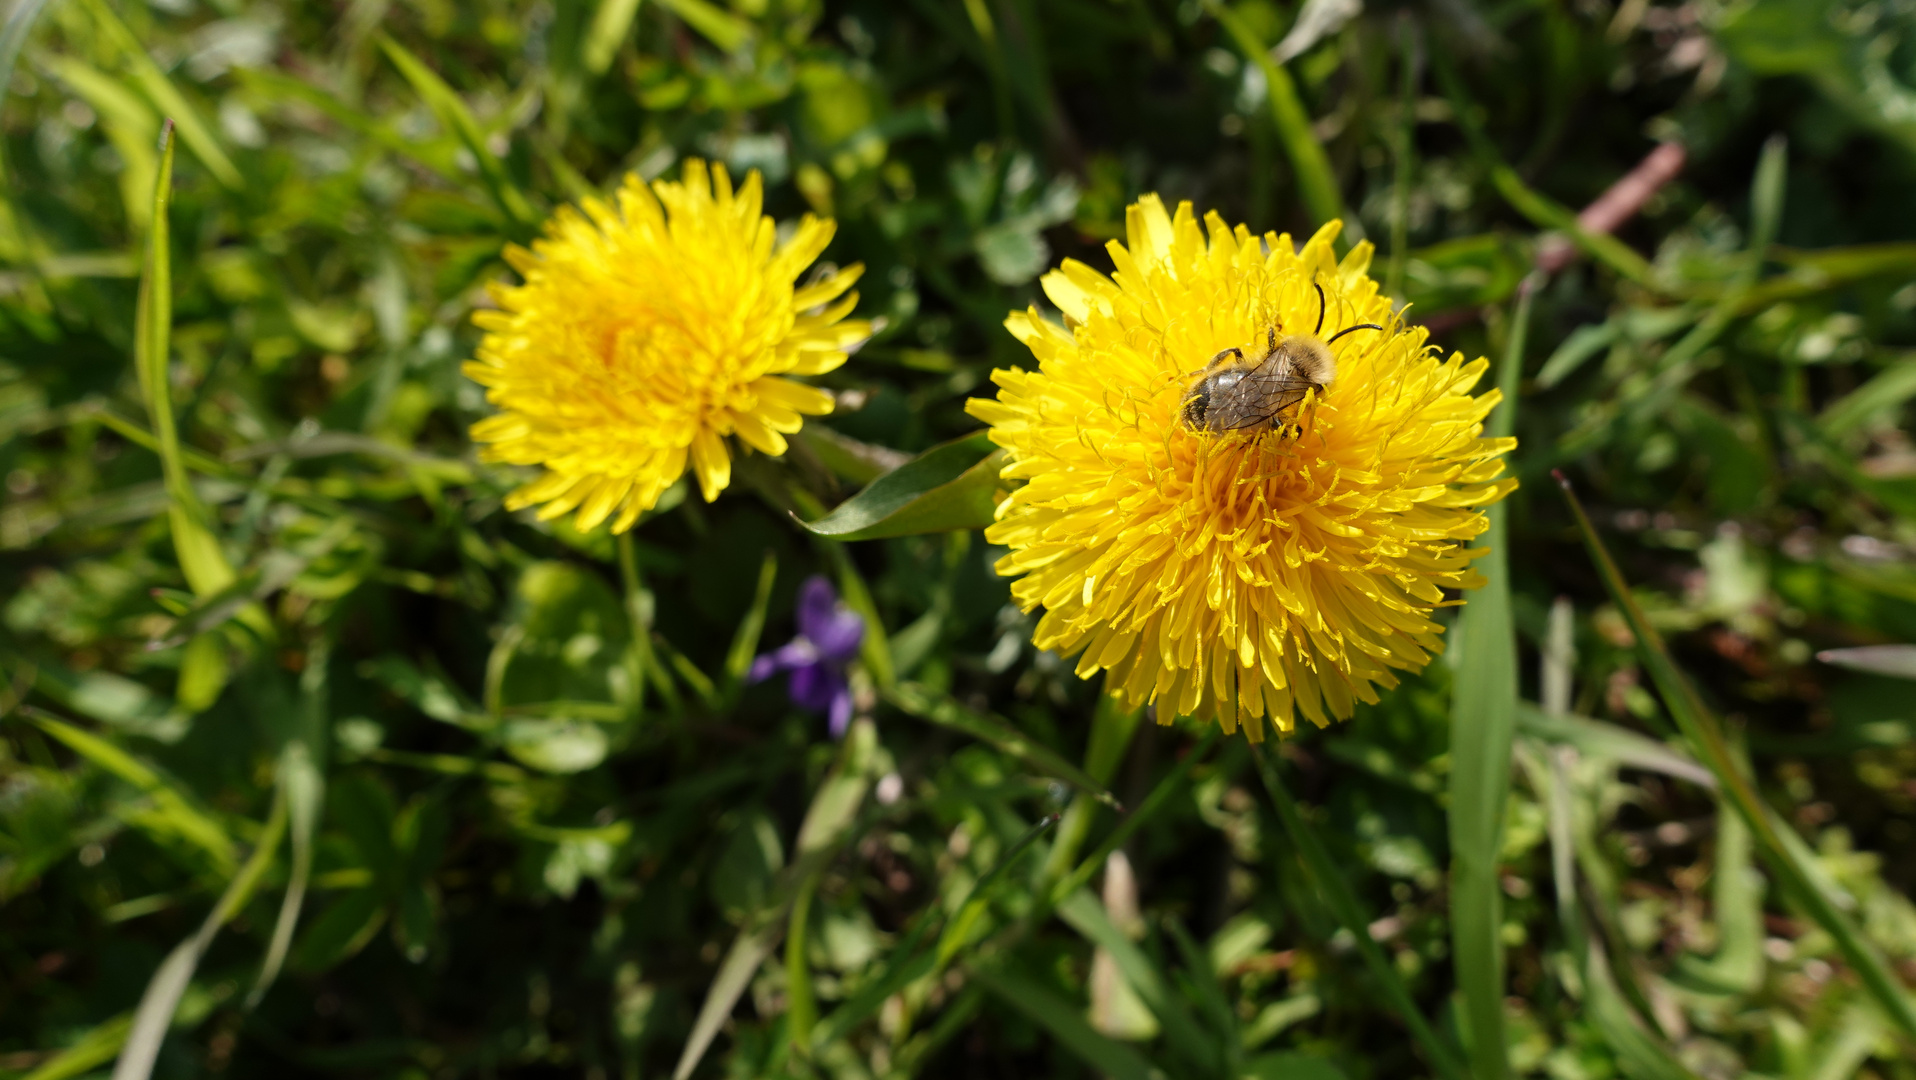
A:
(388, 781)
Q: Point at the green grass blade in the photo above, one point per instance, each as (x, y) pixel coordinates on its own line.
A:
(1133, 820)
(1705, 735)
(1642, 1054)
(1065, 1021)
(738, 661)
(205, 565)
(719, 26)
(828, 823)
(91, 1050)
(1329, 879)
(801, 1007)
(1315, 180)
(167, 97)
(1483, 723)
(302, 781)
(957, 932)
(452, 112)
(943, 711)
(162, 997)
(1082, 912)
(1112, 727)
(1542, 211)
(611, 22)
(172, 813)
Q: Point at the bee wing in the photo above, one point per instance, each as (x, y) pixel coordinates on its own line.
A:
(1267, 393)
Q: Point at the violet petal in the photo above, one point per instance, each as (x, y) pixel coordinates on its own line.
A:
(813, 686)
(841, 710)
(839, 637)
(817, 602)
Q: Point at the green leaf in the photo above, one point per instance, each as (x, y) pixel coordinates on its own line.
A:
(951, 486)
(611, 22)
(1618, 744)
(560, 747)
(721, 28)
(957, 932)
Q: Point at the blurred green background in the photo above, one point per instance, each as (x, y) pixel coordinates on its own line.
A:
(431, 789)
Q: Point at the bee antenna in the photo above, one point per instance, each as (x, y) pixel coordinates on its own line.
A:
(1353, 330)
(1320, 309)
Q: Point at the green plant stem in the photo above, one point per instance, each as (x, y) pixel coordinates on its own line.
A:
(1337, 895)
(1705, 735)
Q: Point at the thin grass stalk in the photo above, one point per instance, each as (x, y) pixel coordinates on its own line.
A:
(1404, 147)
(1337, 895)
(1705, 735)
(1316, 182)
(1483, 723)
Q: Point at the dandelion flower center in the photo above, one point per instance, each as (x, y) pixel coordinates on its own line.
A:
(1247, 574)
(648, 330)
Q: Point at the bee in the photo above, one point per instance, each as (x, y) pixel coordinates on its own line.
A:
(1258, 388)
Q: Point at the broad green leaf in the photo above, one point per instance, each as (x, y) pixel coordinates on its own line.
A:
(848, 458)
(952, 486)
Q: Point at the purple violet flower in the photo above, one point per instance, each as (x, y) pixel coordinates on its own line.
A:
(828, 638)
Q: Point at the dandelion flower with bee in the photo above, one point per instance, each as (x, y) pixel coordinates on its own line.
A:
(1232, 516)
(646, 331)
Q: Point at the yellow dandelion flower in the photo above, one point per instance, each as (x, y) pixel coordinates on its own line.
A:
(645, 333)
(1241, 575)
